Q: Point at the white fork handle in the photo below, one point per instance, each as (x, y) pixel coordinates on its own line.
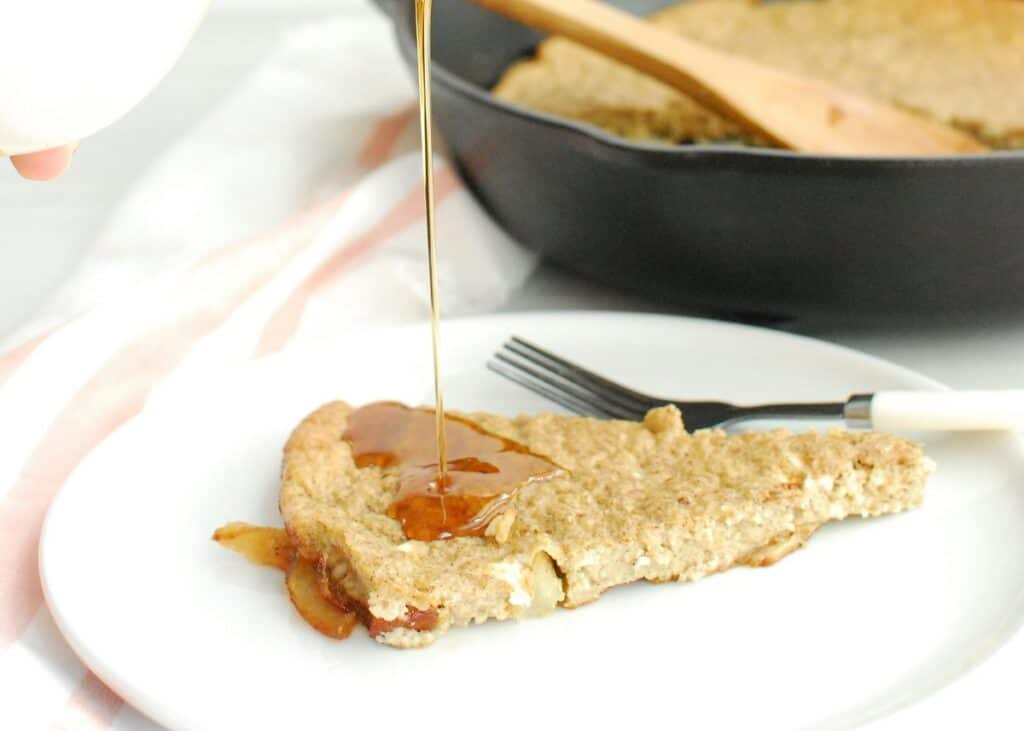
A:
(947, 410)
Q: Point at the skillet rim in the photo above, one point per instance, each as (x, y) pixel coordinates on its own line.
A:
(402, 27)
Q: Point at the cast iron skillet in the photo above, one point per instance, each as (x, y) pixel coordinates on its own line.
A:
(743, 231)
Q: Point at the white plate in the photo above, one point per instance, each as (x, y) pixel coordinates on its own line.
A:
(871, 616)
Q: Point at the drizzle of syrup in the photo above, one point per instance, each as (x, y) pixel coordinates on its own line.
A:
(484, 470)
(423, 12)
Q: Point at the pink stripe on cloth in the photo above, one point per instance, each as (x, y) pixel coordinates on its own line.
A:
(384, 137)
(13, 358)
(112, 396)
(91, 706)
(284, 322)
(87, 421)
(311, 217)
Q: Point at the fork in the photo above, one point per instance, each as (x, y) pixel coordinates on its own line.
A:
(585, 392)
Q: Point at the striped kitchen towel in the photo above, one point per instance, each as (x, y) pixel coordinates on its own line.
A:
(207, 262)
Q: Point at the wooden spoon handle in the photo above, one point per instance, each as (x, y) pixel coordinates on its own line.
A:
(790, 110)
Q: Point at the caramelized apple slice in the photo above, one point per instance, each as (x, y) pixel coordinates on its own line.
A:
(304, 589)
(261, 545)
(272, 547)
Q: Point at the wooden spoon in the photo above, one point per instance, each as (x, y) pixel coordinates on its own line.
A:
(790, 110)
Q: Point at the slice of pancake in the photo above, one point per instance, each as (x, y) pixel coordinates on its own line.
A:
(636, 501)
(957, 61)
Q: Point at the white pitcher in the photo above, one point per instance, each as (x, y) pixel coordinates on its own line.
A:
(71, 67)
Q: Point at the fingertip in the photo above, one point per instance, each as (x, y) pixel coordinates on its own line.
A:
(44, 165)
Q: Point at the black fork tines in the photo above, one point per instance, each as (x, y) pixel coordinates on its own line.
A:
(572, 403)
(574, 373)
(595, 402)
(546, 373)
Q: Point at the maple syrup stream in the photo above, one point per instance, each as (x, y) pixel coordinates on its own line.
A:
(477, 473)
(423, 13)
